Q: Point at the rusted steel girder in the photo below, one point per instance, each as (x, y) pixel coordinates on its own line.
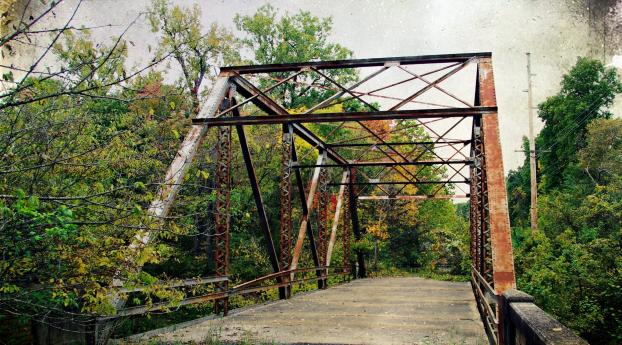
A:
(352, 195)
(322, 221)
(305, 224)
(372, 183)
(376, 62)
(385, 163)
(274, 119)
(411, 197)
(417, 143)
(347, 263)
(222, 224)
(500, 234)
(285, 230)
(337, 216)
(286, 224)
(263, 218)
(493, 243)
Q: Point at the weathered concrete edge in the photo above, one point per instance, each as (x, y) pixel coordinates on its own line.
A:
(534, 324)
(154, 332)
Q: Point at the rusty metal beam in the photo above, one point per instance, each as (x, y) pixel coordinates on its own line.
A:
(272, 119)
(265, 103)
(285, 230)
(376, 62)
(411, 197)
(221, 218)
(333, 232)
(401, 143)
(352, 199)
(304, 224)
(375, 183)
(263, 218)
(322, 222)
(384, 163)
(347, 263)
(500, 233)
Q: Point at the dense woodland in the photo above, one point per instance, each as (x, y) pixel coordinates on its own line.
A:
(84, 146)
(572, 264)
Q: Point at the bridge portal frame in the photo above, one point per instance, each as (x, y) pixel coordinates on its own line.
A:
(491, 249)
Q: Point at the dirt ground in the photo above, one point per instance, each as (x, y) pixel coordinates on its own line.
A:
(406, 310)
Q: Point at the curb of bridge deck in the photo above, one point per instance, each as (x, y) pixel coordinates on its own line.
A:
(154, 332)
(525, 323)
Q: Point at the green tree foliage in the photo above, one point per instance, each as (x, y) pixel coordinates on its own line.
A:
(77, 174)
(586, 93)
(198, 53)
(519, 191)
(572, 265)
(272, 38)
(83, 153)
(601, 159)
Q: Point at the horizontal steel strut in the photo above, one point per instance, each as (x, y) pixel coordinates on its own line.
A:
(350, 116)
(401, 60)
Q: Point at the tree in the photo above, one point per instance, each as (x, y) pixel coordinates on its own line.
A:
(519, 190)
(199, 54)
(601, 159)
(580, 238)
(586, 93)
(294, 38)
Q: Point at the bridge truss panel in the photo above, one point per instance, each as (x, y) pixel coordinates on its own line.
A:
(377, 168)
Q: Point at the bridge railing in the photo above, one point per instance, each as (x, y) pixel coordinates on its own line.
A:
(525, 323)
(514, 319)
(267, 282)
(487, 300)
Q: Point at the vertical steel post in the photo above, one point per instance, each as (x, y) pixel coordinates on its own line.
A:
(322, 223)
(263, 218)
(336, 217)
(222, 223)
(502, 258)
(475, 191)
(347, 263)
(285, 230)
(360, 258)
(306, 203)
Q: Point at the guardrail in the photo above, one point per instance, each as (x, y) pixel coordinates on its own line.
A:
(514, 319)
(524, 323)
(254, 285)
(487, 300)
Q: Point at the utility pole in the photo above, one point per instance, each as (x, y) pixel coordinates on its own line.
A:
(532, 153)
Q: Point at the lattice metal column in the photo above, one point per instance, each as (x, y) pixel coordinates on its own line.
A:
(480, 213)
(285, 230)
(222, 224)
(346, 231)
(486, 255)
(322, 221)
(474, 210)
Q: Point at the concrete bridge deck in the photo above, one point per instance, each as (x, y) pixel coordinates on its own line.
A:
(405, 310)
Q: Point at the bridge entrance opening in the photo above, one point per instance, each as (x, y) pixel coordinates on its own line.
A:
(441, 107)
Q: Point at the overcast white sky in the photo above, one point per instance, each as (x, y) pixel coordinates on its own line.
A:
(507, 28)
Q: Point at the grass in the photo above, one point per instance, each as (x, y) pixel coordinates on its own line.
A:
(441, 276)
(422, 273)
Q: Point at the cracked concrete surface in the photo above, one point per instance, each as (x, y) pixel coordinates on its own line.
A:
(406, 310)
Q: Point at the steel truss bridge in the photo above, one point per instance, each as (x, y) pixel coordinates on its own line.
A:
(463, 145)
